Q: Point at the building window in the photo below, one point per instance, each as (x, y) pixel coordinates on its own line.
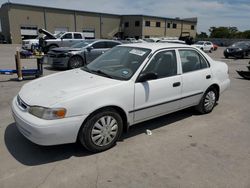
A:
(158, 24)
(137, 23)
(126, 24)
(192, 27)
(147, 23)
(169, 25)
(174, 25)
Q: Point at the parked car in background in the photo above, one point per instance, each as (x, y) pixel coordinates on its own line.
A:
(126, 85)
(79, 54)
(176, 41)
(151, 39)
(30, 44)
(215, 47)
(206, 46)
(238, 50)
(63, 39)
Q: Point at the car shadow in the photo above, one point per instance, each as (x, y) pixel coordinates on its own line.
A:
(54, 68)
(26, 78)
(31, 154)
(159, 122)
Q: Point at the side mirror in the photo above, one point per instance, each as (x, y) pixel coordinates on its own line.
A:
(147, 76)
(89, 48)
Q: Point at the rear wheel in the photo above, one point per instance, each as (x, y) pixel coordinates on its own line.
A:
(208, 101)
(101, 131)
(75, 62)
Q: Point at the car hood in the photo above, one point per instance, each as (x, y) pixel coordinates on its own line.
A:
(56, 88)
(30, 40)
(64, 49)
(47, 33)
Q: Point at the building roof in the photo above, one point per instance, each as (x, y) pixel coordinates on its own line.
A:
(193, 20)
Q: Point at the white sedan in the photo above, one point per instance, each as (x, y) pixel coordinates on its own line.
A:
(126, 85)
(206, 46)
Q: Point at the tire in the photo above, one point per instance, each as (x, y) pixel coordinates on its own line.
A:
(75, 62)
(226, 56)
(242, 55)
(208, 101)
(101, 131)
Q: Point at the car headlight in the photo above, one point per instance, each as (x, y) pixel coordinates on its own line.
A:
(238, 49)
(63, 55)
(47, 113)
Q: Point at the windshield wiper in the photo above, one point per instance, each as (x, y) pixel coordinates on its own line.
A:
(102, 73)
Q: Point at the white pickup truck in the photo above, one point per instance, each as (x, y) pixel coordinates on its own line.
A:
(63, 39)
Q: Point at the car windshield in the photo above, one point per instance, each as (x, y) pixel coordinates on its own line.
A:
(82, 44)
(240, 45)
(120, 62)
(199, 42)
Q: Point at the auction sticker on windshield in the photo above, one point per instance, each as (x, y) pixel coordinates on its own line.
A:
(137, 52)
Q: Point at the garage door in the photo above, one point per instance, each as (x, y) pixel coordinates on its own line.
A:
(28, 32)
(61, 29)
(89, 33)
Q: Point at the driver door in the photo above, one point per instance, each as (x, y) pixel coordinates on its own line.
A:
(159, 96)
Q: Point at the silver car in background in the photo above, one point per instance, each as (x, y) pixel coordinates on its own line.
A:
(79, 54)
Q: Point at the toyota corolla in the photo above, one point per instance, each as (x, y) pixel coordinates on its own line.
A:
(128, 84)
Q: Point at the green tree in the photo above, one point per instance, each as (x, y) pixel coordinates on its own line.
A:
(202, 35)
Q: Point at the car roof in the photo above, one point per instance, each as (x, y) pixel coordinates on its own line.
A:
(156, 46)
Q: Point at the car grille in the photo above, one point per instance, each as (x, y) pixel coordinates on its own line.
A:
(22, 104)
(52, 55)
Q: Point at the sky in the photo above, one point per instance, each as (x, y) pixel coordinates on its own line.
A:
(209, 12)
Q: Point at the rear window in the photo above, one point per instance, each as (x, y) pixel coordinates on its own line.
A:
(77, 36)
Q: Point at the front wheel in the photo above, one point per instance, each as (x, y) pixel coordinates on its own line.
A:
(101, 131)
(75, 62)
(208, 101)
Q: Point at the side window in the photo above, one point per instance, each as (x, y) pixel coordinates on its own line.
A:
(164, 64)
(112, 44)
(192, 60)
(67, 36)
(99, 45)
(77, 36)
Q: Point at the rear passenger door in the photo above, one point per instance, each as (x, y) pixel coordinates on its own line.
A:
(67, 40)
(196, 76)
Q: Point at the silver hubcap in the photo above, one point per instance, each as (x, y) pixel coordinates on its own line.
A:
(75, 62)
(104, 131)
(209, 100)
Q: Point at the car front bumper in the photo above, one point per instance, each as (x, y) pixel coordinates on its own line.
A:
(46, 132)
(58, 62)
(233, 53)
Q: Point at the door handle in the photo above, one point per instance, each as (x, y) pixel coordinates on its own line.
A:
(208, 76)
(176, 84)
